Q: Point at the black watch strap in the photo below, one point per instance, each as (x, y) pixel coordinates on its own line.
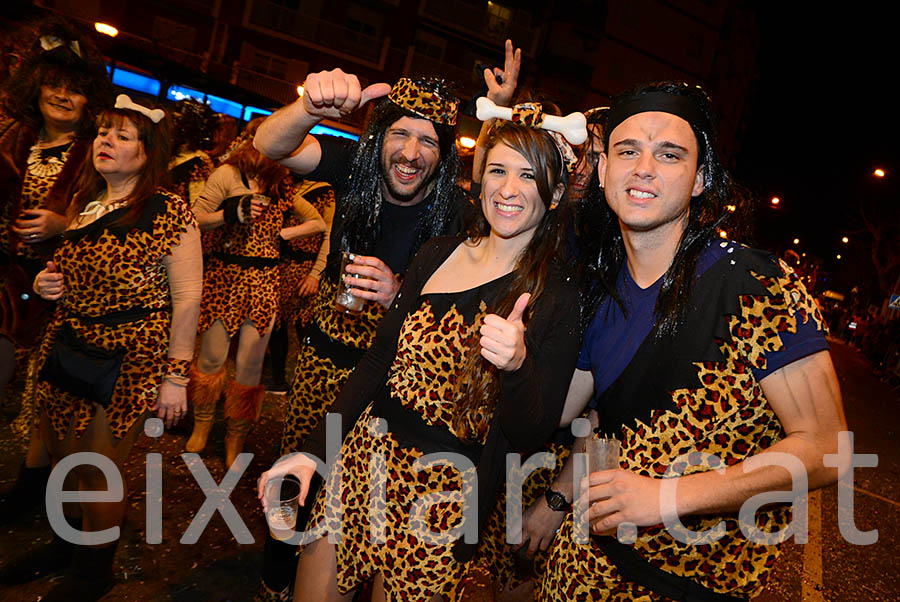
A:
(557, 501)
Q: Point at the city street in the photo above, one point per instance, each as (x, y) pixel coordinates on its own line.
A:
(217, 568)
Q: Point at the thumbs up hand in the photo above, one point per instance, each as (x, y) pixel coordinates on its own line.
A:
(503, 339)
(49, 283)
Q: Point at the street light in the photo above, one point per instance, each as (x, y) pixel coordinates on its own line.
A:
(838, 256)
(467, 142)
(775, 200)
(845, 240)
(879, 172)
(106, 29)
(796, 241)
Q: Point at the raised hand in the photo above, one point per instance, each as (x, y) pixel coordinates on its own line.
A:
(335, 93)
(49, 283)
(501, 93)
(503, 339)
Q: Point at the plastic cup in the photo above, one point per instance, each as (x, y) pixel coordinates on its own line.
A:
(602, 453)
(282, 500)
(343, 299)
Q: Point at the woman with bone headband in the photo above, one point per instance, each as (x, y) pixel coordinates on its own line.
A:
(452, 371)
(242, 212)
(49, 104)
(127, 276)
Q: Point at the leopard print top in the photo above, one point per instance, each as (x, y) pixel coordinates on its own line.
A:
(109, 268)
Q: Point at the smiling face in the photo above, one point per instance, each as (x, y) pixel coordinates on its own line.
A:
(650, 173)
(409, 158)
(61, 107)
(510, 199)
(118, 151)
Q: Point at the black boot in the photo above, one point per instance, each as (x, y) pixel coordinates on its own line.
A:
(45, 560)
(89, 578)
(26, 494)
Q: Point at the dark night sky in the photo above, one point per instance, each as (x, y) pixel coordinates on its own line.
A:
(824, 115)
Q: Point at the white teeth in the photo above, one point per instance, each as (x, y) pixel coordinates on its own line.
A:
(406, 170)
(640, 194)
(508, 208)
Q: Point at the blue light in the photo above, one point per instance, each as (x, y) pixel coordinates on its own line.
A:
(324, 129)
(251, 112)
(181, 92)
(135, 81)
(223, 105)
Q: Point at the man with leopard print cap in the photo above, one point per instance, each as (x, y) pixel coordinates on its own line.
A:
(697, 344)
(395, 189)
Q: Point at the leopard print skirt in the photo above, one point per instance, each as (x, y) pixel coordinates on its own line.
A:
(235, 294)
(401, 534)
(146, 343)
(317, 382)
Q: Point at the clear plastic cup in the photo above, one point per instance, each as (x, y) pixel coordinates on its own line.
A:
(283, 501)
(343, 299)
(602, 453)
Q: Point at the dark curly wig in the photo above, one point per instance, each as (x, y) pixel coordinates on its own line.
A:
(76, 64)
(194, 126)
(603, 252)
(362, 202)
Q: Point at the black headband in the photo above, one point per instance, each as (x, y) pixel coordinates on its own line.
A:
(680, 106)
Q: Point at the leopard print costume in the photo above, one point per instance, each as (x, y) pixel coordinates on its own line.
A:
(233, 293)
(319, 376)
(110, 268)
(292, 307)
(758, 301)
(423, 378)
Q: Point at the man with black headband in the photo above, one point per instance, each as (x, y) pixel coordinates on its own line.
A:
(703, 358)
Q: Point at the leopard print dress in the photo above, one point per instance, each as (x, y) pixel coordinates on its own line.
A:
(240, 276)
(298, 257)
(111, 268)
(415, 564)
(335, 342)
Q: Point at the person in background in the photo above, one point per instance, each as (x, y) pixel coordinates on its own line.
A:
(49, 106)
(242, 213)
(194, 126)
(127, 277)
(302, 262)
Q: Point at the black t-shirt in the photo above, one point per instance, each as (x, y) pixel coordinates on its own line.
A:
(397, 223)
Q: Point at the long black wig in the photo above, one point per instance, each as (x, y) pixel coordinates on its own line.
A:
(603, 252)
(363, 199)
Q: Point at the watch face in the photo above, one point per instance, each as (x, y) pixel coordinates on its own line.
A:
(557, 501)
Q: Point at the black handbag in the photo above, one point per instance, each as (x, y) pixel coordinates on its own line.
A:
(82, 369)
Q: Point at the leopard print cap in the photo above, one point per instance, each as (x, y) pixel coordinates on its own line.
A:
(425, 100)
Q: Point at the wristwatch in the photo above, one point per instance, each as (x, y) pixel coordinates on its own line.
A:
(557, 501)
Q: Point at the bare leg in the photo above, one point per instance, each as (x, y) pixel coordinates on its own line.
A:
(251, 353)
(317, 574)
(213, 348)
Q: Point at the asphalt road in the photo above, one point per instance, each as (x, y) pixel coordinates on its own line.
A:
(217, 568)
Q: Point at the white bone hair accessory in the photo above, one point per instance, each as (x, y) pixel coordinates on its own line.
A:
(573, 126)
(124, 102)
